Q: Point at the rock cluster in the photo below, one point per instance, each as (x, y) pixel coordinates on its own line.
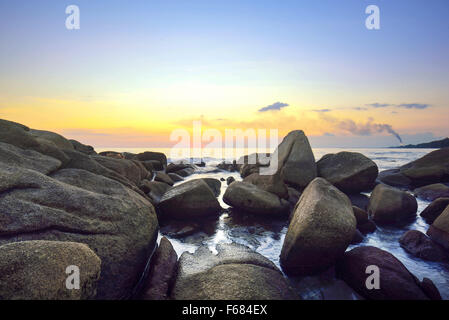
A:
(62, 204)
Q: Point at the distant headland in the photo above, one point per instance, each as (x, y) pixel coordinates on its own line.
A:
(437, 144)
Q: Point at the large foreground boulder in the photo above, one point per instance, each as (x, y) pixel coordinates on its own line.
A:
(439, 230)
(419, 245)
(351, 172)
(51, 137)
(395, 280)
(37, 270)
(163, 269)
(389, 205)
(296, 162)
(119, 225)
(249, 198)
(191, 199)
(432, 168)
(236, 273)
(433, 210)
(322, 227)
(20, 136)
(29, 159)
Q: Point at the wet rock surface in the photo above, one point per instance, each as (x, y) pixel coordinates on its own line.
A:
(322, 227)
(189, 200)
(249, 276)
(249, 198)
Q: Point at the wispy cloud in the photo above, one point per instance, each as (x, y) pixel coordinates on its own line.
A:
(414, 105)
(275, 106)
(377, 105)
(322, 110)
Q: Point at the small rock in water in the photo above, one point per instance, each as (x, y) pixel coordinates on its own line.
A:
(231, 167)
(202, 164)
(249, 198)
(189, 200)
(367, 227)
(230, 180)
(419, 245)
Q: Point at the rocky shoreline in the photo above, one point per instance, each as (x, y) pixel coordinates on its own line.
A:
(63, 204)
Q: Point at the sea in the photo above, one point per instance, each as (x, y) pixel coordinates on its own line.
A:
(267, 236)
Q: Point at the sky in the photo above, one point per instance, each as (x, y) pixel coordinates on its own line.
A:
(137, 71)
